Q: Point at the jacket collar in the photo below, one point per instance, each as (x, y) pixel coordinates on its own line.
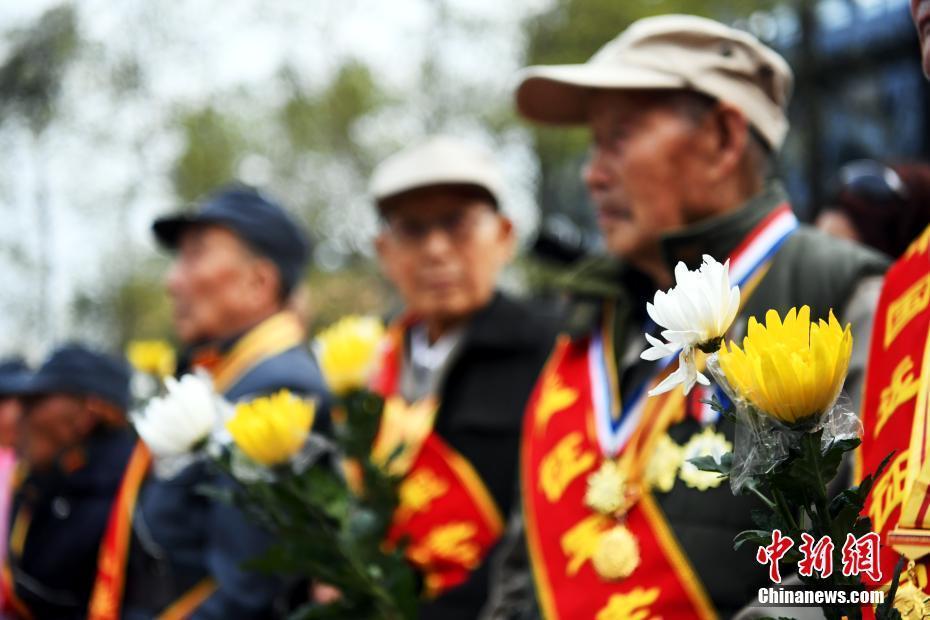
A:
(719, 236)
(610, 278)
(500, 324)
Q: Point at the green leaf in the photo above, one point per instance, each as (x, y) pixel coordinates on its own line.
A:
(709, 463)
(758, 537)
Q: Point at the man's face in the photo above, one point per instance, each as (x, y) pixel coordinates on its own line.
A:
(51, 426)
(11, 410)
(642, 169)
(212, 284)
(920, 11)
(443, 251)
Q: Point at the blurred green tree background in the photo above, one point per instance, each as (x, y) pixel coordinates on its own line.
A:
(109, 141)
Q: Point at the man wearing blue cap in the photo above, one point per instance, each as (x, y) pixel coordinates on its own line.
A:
(75, 445)
(238, 259)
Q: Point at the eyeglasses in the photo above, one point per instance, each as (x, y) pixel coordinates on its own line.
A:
(872, 181)
(458, 226)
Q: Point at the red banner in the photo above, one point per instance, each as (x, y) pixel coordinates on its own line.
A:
(560, 450)
(446, 513)
(894, 413)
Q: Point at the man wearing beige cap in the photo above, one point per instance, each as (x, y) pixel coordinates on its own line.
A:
(458, 368)
(686, 115)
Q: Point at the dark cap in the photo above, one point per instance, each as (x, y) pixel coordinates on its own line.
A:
(14, 373)
(256, 219)
(75, 369)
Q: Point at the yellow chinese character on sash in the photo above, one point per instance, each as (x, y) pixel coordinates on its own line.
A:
(888, 492)
(919, 245)
(580, 542)
(909, 304)
(633, 605)
(903, 387)
(418, 490)
(553, 398)
(563, 464)
(452, 541)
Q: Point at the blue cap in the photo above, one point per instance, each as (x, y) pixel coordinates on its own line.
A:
(256, 219)
(14, 373)
(75, 369)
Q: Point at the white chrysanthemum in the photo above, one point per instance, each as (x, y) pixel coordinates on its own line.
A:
(695, 313)
(173, 424)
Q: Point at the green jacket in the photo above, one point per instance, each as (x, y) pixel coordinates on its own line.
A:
(809, 268)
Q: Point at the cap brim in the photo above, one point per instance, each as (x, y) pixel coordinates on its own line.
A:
(31, 385)
(15, 385)
(168, 229)
(558, 94)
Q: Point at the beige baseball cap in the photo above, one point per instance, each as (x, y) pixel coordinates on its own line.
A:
(440, 160)
(669, 52)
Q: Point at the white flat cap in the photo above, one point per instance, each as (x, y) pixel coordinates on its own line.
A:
(440, 160)
(669, 52)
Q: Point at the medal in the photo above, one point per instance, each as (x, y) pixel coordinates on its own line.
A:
(617, 554)
(612, 494)
(705, 443)
(663, 465)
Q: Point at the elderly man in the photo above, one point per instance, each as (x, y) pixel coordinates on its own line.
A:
(686, 115)
(238, 258)
(75, 444)
(462, 359)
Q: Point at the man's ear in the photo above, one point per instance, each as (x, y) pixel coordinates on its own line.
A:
(508, 237)
(731, 130)
(385, 259)
(267, 278)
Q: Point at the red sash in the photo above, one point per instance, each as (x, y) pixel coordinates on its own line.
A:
(446, 513)
(894, 413)
(271, 337)
(106, 601)
(560, 450)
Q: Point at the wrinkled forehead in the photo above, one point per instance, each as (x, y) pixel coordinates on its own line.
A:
(612, 107)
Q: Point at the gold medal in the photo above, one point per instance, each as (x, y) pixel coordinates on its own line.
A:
(911, 602)
(617, 554)
(705, 443)
(663, 465)
(607, 489)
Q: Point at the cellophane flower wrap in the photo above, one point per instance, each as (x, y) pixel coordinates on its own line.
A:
(785, 382)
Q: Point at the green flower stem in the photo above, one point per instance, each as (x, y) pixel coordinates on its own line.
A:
(810, 443)
(784, 510)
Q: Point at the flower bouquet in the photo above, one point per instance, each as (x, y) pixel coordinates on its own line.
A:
(328, 526)
(792, 427)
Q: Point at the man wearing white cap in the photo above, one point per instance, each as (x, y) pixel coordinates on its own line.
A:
(459, 366)
(686, 115)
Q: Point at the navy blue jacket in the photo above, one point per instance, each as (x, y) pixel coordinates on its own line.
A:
(55, 573)
(181, 537)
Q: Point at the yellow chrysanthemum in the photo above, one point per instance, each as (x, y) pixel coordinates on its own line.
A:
(792, 369)
(153, 357)
(606, 489)
(617, 554)
(348, 352)
(271, 429)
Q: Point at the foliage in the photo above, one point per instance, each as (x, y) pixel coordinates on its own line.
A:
(31, 77)
(328, 532)
(796, 497)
